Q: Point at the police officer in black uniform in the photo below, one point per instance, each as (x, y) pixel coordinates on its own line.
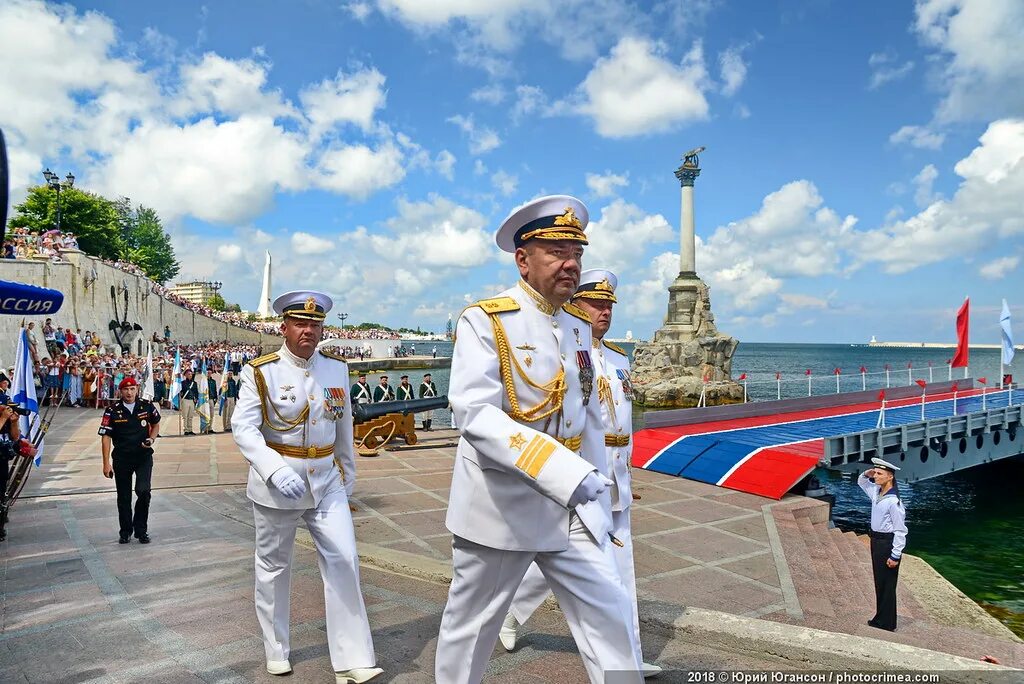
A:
(132, 426)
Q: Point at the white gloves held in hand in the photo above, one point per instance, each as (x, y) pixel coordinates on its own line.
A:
(288, 482)
(592, 486)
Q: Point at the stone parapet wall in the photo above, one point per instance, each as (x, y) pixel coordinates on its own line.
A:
(86, 282)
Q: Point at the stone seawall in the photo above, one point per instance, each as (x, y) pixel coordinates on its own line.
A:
(86, 282)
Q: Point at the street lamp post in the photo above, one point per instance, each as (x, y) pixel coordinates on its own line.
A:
(343, 316)
(54, 182)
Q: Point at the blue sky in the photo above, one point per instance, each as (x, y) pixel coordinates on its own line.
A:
(863, 171)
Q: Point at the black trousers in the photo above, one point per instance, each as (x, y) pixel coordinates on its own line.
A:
(125, 466)
(885, 581)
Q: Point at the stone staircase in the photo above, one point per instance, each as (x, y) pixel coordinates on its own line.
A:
(831, 573)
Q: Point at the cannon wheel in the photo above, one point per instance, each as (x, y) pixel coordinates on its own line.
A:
(410, 438)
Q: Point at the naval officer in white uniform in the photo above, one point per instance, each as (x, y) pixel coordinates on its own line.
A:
(888, 537)
(596, 296)
(293, 423)
(528, 483)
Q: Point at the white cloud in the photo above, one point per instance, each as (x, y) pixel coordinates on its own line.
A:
(885, 68)
(230, 86)
(307, 243)
(621, 236)
(358, 171)
(492, 94)
(998, 268)
(481, 138)
(733, 70)
(359, 10)
(794, 300)
(346, 98)
(981, 63)
(479, 168)
(529, 99)
(645, 297)
(637, 90)
(445, 164)
(604, 185)
(921, 137)
(504, 182)
(984, 209)
(229, 252)
(923, 181)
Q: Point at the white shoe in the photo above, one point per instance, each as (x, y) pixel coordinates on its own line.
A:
(507, 635)
(648, 670)
(279, 667)
(357, 675)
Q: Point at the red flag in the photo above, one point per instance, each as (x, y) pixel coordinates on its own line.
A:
(954, 388)
(963, 351)
(705, 378)
(909, 364)
(922, 383)
(807, 372)
(778, 376)
(863, 369)
(983, 381)
(881, 396)
(837, 371)
(743, 377)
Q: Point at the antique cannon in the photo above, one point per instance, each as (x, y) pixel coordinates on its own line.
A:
(378, 424)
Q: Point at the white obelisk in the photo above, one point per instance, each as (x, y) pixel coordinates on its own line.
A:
(264, 310)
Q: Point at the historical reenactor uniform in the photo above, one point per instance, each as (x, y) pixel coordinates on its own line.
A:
(293, 423)
(531, 450)
(188, 398)
(888, 537)
(615, 392)
(131, 428)
(383, 391)
(428, 390)
(405, 391)
(361, 392)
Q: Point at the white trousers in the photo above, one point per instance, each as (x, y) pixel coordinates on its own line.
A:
(583, 577)
(330, 525)
(534, 588)
(188, 414)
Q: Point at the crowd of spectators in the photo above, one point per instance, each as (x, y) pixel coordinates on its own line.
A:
(22, 243)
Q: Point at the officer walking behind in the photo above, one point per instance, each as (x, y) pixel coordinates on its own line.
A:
(888, 537)
(293, 423)
(428, 390)
(361, 392)
(130, 426)
(405, 390)
(596, 296)
(189, 399)
(383, 391)
(527, 484)
(230, 396)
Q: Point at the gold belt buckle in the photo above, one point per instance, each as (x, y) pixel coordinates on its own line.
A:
(311, 452)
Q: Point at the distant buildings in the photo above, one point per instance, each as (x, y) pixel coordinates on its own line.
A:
(196, 291)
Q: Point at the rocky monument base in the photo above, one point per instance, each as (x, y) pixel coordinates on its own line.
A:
(670, 370)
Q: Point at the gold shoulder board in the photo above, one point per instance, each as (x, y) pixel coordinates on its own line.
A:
(497, 305)
(577, 312)
(615, 348)
(332, 354)
(266, 358)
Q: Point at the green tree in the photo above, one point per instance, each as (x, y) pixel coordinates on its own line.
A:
(234, 308)
(89, 216)
(146, 244)
(216, 302)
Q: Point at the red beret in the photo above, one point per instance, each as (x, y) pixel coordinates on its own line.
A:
(128, 382)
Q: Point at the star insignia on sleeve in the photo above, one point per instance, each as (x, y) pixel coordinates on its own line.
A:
(516, 441)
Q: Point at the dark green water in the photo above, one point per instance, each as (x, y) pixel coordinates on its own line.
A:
(968, 525)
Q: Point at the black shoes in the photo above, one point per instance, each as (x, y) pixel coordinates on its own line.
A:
(189, 433)
(123, 540)
(143, 538)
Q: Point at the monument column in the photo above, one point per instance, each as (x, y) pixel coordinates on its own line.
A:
(265, 309)
(687, 174)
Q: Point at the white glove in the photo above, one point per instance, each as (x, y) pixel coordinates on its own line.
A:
(593, 485)
(288, 482)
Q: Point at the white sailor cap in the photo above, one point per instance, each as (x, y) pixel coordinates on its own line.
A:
(555, 217)
(597, 283)
(884, 464)
(307, 304)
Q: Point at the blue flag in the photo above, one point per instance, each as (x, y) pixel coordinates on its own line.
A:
(1007, 335)
(176, 382)
(23, 391)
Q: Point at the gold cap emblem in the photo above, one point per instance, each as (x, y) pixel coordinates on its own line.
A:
(568, 219)
(604, 286)
(310, 304)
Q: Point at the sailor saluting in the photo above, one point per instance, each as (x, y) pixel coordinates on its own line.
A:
(293, 423)
(528, 483)
(888, 537)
